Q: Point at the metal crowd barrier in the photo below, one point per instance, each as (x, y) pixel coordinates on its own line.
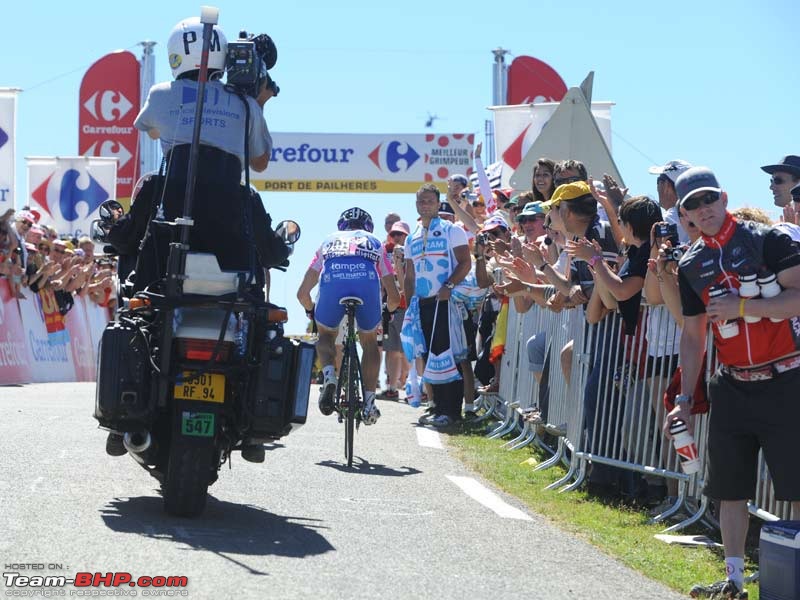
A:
(624, 429)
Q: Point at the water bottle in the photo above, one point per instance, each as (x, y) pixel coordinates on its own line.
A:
(748, 288)
(768, 283)
(727, 329)
(240, 336)
(685, 447)
(413, 391)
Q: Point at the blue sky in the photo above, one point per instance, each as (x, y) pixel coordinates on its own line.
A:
(714, 82)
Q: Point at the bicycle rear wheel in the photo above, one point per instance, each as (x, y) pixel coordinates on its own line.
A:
(352, 402)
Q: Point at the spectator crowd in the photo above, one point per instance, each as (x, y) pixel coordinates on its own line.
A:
(34, 258)
(572, 241)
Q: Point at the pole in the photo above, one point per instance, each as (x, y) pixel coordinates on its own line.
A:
(499, 89)
(148, 148)
(209, 16)
(499, 77)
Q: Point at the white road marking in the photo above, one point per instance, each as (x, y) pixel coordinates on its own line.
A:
(429, 438)
(489, 499)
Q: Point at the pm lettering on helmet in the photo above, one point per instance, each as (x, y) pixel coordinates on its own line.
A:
(190, 37)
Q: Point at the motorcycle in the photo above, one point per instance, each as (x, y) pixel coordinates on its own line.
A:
(191, 379)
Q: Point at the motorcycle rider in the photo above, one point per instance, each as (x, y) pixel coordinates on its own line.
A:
(222, 207)
(350, 262)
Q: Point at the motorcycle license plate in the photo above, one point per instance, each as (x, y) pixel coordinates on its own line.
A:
(205, 387)
(197, 424)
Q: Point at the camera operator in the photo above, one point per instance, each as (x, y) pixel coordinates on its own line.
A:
(222, 206)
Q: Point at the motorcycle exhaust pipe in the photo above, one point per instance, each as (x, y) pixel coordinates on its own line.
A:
(137, 442)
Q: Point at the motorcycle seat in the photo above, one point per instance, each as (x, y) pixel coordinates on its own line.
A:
(204, 276)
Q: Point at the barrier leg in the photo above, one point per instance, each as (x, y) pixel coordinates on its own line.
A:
(528, 435)
(525, 433)
(555, 459)
(508, 424)
(579, 479)
(571, 472)
(701, 511)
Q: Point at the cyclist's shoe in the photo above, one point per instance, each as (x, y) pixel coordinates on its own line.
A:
(721, 590)
(370, 415)
(326, 396)
(114, 445)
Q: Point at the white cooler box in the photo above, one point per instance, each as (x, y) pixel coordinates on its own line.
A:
(779, 561)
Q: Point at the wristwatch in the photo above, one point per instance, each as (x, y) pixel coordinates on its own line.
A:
(449, 285)
(683, 399)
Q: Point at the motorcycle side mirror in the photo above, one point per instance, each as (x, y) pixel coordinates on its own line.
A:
(288, 231)
(98, 231)
(111, 210)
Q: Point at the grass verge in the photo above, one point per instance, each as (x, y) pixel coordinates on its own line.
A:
(620, 531)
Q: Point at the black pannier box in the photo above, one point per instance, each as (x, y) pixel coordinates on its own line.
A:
(123, 379)
(279, 388)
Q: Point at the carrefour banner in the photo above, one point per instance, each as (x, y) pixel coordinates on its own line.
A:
(8, 109)
(109, 103)
(68, 191)
(373, 163)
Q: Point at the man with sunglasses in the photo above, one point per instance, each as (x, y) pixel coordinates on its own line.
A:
(754, 393)
(785, 175)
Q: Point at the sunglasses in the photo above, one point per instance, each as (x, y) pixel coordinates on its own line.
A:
(777, 180)
(478, 203)
(397, 234)
(27, 223)
(562, 180)
(695, 201)
(43, 248)
(531, 219)
(58, 251)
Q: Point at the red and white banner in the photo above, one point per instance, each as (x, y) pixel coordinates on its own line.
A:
(531, 80)
(109, 103)
(14, 361)
(28, 351)
(8, 121)
(68, 191)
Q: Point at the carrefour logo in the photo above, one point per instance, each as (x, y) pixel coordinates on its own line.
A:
(395, 153)
(69, 195)
(108, 105)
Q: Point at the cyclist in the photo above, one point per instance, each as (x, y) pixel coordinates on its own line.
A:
(350, 262)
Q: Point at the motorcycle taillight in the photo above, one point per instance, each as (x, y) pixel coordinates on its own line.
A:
(202, 350)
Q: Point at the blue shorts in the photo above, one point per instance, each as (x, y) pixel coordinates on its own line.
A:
(349, 276)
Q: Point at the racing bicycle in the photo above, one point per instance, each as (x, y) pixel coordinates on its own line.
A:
(349, 402)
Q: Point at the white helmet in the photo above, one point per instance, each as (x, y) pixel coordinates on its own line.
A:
(185, 47)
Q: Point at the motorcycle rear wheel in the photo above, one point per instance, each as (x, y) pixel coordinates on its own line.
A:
(185, 485)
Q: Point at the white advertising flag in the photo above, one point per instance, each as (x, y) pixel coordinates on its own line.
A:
(68, 191)
(8, 116)
(371, 163)
(517, 127)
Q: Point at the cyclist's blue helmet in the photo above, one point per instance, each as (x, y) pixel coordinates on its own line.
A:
(355, 218)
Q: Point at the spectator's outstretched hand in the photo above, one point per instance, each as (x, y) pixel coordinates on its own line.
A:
(516, 246)
(583, 249)
(518, 267)
(532, 254)
(791, 214)
(615, 193)
(513, 287)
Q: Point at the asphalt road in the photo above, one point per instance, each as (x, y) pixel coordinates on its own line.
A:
(301, 525)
